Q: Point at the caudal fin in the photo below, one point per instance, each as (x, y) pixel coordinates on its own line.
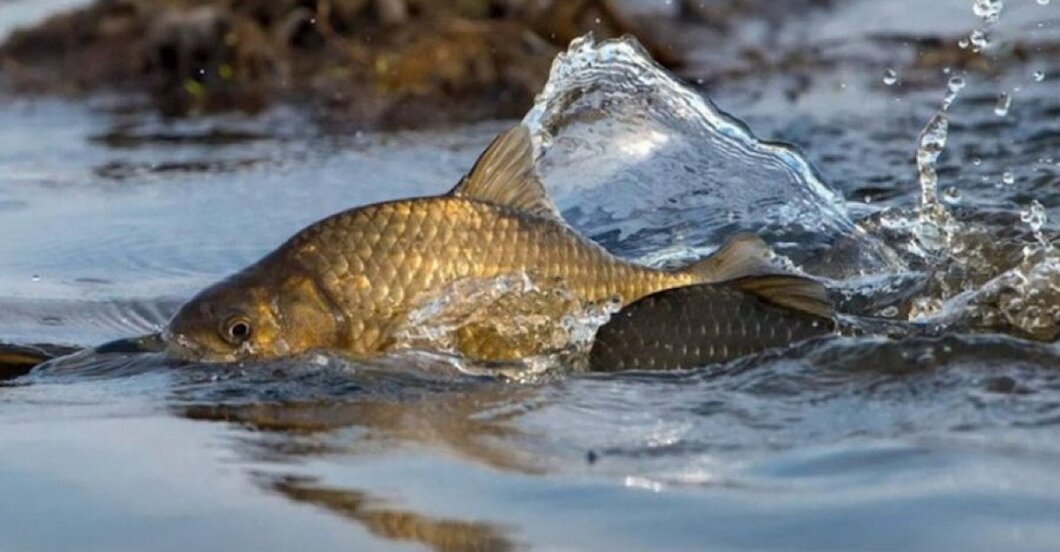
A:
(743, 255)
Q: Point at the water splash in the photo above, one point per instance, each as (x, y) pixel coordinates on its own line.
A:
(642, 162)
(534, 324)
(936, 224)
(968, 285)
(988, 10)
(935, 219)
(931, 143)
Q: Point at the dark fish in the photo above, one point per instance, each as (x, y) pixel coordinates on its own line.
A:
(704, 324)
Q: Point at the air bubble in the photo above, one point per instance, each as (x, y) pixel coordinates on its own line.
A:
(890, 77)
(1008, 178)
(1039, 76)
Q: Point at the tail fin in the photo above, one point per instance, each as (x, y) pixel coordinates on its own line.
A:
(786, 290)
(743, 255)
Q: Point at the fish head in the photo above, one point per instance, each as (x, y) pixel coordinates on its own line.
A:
(253, 315)
(229, 321)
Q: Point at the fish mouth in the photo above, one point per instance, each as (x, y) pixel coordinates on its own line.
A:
(180, 347)
(150, 343)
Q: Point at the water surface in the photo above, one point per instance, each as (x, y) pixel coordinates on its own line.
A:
(940, 432)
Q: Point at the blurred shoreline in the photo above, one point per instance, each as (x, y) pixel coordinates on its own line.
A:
(378, 63)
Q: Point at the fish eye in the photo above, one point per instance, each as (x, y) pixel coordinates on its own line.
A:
(236, 330)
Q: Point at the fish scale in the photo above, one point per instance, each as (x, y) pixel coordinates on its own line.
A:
(696, 325)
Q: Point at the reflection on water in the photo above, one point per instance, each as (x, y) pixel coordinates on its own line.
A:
(441, 535)
(473, 422)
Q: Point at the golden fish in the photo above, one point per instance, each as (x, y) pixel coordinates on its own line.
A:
(348, 281)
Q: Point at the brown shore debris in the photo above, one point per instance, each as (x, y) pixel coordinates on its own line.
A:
(383, 62)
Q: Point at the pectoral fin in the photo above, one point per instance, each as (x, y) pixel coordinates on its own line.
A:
(743, 255)
(793, 292)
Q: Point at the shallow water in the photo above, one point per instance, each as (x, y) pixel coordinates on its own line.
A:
(942, 436)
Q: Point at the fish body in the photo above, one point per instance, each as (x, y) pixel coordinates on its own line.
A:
(704, 324)
(348, 281)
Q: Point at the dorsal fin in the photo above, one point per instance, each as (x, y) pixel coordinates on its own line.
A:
(743, 255)
(504, 175)
(794, 292)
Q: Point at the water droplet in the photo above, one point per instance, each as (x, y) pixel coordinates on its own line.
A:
(890, 77)
(979, 39)
(988, 10)
(1004, 102)
(952, 194)
(977, 161)
(889, 312)
(1034, 216)
(962, 43)
(1039, 76)
(35, 278)
(867, 198)
(1043, 2)
(1008, 178)
(954, 87)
